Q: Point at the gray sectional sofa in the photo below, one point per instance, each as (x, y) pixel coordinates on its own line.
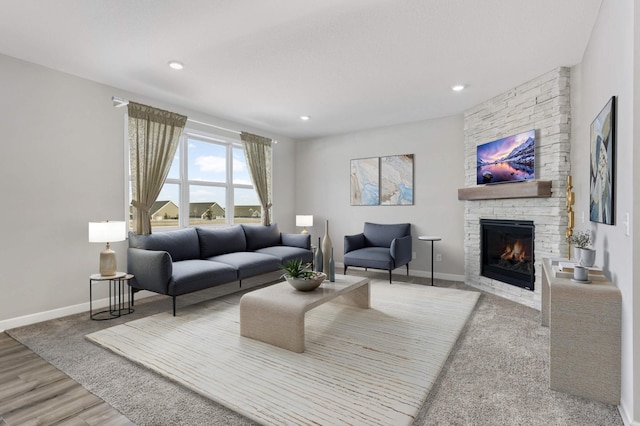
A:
(191, 259)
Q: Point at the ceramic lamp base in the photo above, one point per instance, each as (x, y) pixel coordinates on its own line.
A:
(108, 262)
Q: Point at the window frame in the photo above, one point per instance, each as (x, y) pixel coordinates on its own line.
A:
(184, 183)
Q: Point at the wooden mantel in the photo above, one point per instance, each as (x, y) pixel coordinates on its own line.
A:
(525, 189)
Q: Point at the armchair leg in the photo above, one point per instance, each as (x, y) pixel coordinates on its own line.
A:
(345, 269)
(174, 306)
(389, 276)
(407, 269)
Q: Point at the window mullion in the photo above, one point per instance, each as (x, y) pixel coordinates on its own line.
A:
(230, 197)
(184, 185)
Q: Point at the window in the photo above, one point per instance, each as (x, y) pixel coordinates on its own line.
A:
(208, 184)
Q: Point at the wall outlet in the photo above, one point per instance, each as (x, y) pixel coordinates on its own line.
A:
(439, 257)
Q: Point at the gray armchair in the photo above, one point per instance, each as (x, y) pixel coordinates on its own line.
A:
(379, 246)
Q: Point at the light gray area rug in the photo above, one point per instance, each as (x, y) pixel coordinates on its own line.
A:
(361, 366)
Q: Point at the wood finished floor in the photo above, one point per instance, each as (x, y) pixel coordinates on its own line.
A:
(34, 392)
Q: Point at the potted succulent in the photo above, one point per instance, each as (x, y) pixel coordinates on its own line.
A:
(581, 240)
(300, 275)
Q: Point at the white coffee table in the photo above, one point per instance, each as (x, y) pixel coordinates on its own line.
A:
(275, 314)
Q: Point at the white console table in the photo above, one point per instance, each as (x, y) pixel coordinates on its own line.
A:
(584, 322)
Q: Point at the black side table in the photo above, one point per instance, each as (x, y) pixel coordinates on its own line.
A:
(119, 299)
(432, 239)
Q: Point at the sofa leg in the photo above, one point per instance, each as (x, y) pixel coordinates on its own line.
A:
(174, 306)
(345, 270)
(407, 269)
(240, 281)
(389, 276)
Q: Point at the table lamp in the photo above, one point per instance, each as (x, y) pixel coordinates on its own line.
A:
(304, 220)
(107, 232)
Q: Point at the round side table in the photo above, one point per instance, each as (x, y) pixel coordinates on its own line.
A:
(118, 304)
(432, 239)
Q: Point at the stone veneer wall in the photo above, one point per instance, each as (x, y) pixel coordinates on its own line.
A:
(542, 104)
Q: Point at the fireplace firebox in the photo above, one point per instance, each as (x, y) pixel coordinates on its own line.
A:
(506, 251)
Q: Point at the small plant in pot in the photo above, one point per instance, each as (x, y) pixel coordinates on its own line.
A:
(581, 240)
(300, 275)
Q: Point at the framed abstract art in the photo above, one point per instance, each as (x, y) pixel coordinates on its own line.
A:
(396, 180)
(602, 176)
(365, 181)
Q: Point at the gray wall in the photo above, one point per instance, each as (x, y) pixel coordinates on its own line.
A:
(607, 69)
(323, 188)
(62, 166)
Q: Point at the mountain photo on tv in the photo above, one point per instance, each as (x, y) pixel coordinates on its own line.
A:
(510, 159)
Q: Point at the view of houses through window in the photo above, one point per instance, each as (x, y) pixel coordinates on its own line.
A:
(208, 184)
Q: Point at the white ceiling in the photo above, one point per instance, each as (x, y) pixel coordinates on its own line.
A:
(349, 64)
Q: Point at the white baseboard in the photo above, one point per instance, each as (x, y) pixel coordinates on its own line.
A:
(627, 419)
(61, 312)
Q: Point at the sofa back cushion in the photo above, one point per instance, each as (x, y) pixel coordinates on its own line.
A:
(381, 235)
(260, 236)
(216, 241)
(181, 244)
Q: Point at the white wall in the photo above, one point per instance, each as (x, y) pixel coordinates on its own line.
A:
(62, 165)
(607, 70)
(323, 188)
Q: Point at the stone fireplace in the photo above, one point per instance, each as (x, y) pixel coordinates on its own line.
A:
(542, 104)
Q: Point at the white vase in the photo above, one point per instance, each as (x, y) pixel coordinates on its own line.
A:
(326, 247)
(585, 256)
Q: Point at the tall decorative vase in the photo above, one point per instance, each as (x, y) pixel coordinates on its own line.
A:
(332, 268)
(319, 262)
(326, 247)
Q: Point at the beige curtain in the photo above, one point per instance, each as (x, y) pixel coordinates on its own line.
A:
(257, 151)
(154, 135)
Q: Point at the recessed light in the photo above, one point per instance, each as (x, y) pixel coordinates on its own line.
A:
(176, 65)
(304, 117)
(458, 87)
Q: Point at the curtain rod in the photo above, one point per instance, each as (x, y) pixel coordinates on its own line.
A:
(120, 102)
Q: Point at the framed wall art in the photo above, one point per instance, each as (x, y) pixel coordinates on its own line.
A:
(602, 176)
(365, 181)
(396, 180)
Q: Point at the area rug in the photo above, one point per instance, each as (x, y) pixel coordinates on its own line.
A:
(361, 366)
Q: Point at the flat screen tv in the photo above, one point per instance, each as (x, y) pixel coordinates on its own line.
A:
(510, 159)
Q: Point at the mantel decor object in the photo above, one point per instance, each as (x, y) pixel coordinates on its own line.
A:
(570, 216)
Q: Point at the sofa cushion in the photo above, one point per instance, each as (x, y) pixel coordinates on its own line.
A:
(248, 263)
(296, 240)
(181, 244)
(215, 241)
(381, 235)
(260, 236)
(286, 253)
(194, 275)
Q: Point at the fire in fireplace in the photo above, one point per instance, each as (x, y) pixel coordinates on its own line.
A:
(506, 251)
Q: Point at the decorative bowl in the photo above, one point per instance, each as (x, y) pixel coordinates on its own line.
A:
(306, 284)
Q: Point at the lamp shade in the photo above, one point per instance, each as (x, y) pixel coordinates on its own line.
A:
(107, 232)
(304, 220)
